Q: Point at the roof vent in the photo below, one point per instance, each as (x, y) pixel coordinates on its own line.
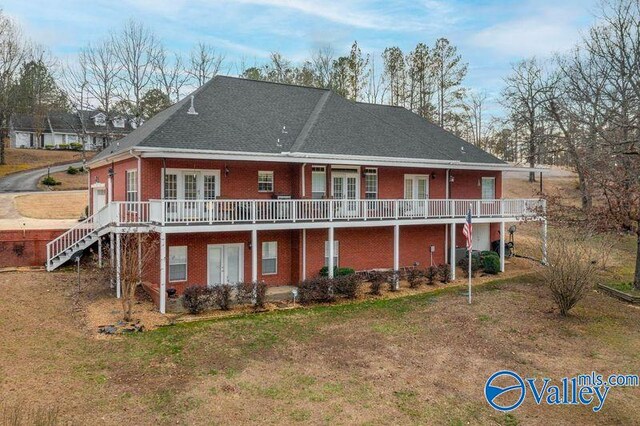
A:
(192, 110)
(462, 150)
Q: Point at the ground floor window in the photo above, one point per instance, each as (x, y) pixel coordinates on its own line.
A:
(336, 253)
(178, 263)
(269, 257)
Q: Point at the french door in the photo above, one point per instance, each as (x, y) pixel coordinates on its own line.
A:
(416, 189)
(225, 264)
(345, 190)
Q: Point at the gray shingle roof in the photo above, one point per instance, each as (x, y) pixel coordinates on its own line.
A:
(65, 122)
(241, 115)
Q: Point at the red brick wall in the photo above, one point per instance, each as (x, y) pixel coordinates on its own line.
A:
(242, 180)
(26, 248)
(371, 248)
(197, 256)
(101, 175)
(467, 183)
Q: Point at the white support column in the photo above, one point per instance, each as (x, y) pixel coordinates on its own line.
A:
(139, 258)
(163, 273)
(502, 267)
(100, 252)
(254, 255)
(331, 253)
(545, 261)
(112, 255)
(396, 255)
(304, 254)
(452, 251)
(118, 262)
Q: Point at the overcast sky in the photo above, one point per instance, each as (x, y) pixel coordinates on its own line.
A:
(490, 34)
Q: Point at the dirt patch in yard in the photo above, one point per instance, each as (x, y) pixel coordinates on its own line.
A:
(58, 205)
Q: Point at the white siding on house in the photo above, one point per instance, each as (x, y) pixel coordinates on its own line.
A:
(48, 139)
(22, 140)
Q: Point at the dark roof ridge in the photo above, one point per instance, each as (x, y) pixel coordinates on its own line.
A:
(275, 82)
(311, 121)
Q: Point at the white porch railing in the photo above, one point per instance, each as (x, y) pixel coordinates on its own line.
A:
(167, 212)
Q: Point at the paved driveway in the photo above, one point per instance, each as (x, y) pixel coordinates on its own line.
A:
(27, 181)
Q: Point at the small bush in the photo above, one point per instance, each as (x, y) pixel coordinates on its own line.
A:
(475, 264)
(491, 263)
(337, 272)
(245, 294)
(63, 146)
(317, 289)
(50, 181)
(444, 271)
(72, 170)
(75, 146)
(348, 285)
(196, 299)
(571, 271)
(377, 279)
(222, 296)
(431, 274)
(414, 277)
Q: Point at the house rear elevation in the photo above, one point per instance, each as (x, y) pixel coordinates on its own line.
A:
(256, 181)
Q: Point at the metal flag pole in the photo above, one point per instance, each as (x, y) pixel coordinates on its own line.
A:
(469, 253)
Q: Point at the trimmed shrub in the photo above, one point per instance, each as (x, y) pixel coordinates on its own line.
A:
(476, 265)
(317, 289)
(72, 170)
(222, 296)
(337, 272)
(244, 294)
(348, 285)
(444, 271)
(491, 263)
(377, 279)
(196, 299)
(50, 181)
(63, 146)
(431, 274)
(75, 146)
(414, 277)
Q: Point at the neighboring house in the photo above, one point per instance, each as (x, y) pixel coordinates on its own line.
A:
(257, 181)
(56, 129)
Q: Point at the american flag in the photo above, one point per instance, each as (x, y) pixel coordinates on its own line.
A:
(467, 230)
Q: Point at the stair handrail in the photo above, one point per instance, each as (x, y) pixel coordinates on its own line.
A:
(76, 233)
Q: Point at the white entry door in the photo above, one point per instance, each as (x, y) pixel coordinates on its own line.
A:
(345, 191)
(225, 264)
(481, 237)
(99, 199)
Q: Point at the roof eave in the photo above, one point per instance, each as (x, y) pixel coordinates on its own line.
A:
(298, 157)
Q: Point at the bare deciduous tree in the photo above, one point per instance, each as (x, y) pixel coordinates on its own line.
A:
(171, 75)
(204, 63)
(136, 48)
(137, 250)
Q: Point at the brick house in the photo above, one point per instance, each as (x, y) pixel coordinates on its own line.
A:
(257, 181)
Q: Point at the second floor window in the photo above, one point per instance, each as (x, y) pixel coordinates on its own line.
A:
(265, 181)
(488, 188)
(318, 182)
(132, 185)
(370, 184)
